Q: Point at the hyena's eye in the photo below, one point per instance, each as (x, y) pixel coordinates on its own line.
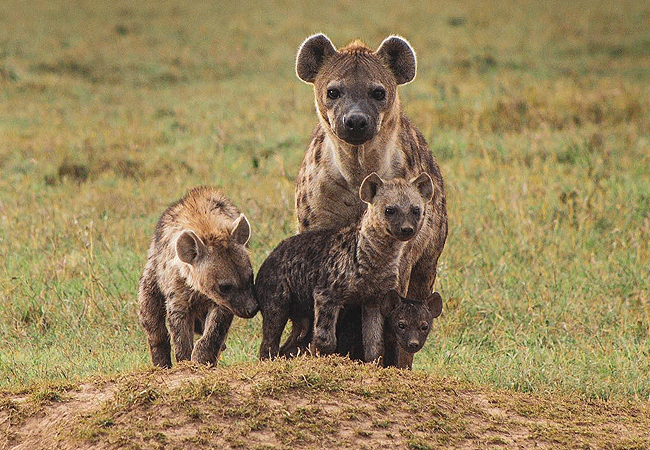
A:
(401, 325)
(424, 327)
(390, 210)
(225, 289)
(379, 94)
(333, 94)
(416, 211)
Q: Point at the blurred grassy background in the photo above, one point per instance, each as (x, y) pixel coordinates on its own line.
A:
(538, 113)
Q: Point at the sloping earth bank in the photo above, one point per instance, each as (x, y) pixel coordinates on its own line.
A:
(308, 403)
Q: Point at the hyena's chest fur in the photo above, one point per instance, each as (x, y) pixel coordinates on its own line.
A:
(327, 197)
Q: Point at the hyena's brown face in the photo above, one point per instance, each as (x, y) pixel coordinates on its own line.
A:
(354, 96)
(398, 204)
(410, 320)
(220, 268)
(355, 88)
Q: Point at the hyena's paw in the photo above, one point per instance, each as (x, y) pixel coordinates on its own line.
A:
(161, 355)
(324, 342)
(205, 356)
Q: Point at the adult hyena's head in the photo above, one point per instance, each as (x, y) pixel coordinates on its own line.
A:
(356, 88)
(410, 320)
(219, 267)
(397, 205)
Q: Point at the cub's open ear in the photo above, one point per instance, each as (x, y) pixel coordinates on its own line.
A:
(424, 185)
(189, 247)
(390, 302)
(398, 54)
(312, 54)
(240, 230)
(369, 187)
(434, 304)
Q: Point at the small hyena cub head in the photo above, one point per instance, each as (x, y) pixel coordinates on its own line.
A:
(410, 320)
(397, 204)
(356, 88)
(219, 266)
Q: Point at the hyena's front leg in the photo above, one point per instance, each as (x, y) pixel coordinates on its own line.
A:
(181, 325)
(274, 318)
(152, 317)
(326, 314)
(422, 277)
(209, 347)
(372, 329)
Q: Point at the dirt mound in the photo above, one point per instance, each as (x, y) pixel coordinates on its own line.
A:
(308, 403)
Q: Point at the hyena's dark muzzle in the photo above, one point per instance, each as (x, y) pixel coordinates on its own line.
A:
(243, 303)
(357, 128)
(355, 116)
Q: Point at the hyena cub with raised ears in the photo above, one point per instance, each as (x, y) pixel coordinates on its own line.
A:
(198, 274)
(406, 328)
(309, 277)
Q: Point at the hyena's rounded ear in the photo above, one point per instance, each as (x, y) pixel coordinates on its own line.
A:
(434, 304)
(369, 187)
(390, 302)
(240, 230)
(424, 185)
(398, 54)
(312, 54)
(189, 247)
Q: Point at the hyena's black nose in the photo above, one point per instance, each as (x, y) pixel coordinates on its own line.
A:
(407, 231)
(356, 122)
(413, 345)
(251, 311)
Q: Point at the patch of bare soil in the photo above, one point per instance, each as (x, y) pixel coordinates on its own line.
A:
(309, 403)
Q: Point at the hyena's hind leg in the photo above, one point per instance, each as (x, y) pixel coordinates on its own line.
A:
(208, 348)
(299, 339)
(372, 331)
(152, 314)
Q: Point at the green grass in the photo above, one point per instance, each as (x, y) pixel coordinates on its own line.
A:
(538, 116)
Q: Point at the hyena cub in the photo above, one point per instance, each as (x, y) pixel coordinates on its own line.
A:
(406, 328)
(309, 277)
(198, 274)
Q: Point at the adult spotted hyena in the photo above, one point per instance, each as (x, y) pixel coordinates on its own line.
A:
(198, 273)
(361, 129)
